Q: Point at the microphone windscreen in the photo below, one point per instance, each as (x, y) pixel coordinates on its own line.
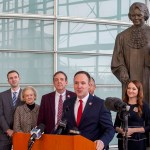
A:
(110, 103)
(41, 126)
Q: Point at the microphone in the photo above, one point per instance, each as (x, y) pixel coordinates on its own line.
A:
(36, 133)
(61, 127)
(116, 104)
(74, 131)
(63, 122)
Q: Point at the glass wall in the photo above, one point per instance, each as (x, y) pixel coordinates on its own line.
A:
(40, 37)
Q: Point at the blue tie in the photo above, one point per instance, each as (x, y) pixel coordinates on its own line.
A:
(14, 98)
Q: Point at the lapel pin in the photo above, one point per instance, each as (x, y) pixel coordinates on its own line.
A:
(90, 103)
(68, 96)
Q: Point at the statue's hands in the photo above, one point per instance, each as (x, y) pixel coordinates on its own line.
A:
(124, 77)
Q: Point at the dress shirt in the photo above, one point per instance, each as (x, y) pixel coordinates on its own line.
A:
(77, 103)
(17, 93)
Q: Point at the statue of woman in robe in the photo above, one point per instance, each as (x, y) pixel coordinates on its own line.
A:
(131, 55)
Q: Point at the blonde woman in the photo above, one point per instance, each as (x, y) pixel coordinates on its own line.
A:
(25, 117)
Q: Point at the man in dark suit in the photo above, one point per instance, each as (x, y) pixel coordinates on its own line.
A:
(8, 105)
(49, 108)
(88, 114)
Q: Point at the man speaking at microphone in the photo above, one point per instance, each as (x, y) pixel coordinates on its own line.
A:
(88, 113)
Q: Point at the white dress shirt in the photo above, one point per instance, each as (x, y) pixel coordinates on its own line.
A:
(16, 93)
(77, 103)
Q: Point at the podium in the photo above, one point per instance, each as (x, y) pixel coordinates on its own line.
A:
(53, 142)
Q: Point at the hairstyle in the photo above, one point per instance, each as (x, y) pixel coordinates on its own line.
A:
(92, 79)
(28, 88)
(12, 71)
(139, 96)
(83, 72)
(66, 78)
(142, 7)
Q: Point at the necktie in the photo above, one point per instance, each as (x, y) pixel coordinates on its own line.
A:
(60, 107)
(14, 98)
(79, 113)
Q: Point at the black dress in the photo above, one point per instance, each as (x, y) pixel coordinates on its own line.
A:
(137, 141)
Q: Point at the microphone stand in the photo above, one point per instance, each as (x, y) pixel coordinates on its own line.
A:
(125, 129)
(30, 144)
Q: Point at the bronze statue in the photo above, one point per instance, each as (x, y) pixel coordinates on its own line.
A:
(131, 56)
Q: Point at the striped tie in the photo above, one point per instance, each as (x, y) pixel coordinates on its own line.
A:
(60, 107)
(14, 98)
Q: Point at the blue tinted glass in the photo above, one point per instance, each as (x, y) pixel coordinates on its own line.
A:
(27, 6)
(26, 35)
(87, 37)
(33, 68)
(110, 9)
(97, 66)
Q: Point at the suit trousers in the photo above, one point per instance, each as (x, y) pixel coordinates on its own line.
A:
(6, 147)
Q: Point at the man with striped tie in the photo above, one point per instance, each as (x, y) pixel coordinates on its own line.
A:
(9, 100)
(50, 112)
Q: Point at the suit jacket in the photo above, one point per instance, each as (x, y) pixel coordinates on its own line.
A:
(25, 119)
(96, 122)
(7, 113)
(47, 111)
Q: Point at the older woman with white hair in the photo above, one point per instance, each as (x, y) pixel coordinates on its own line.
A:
(25, 117)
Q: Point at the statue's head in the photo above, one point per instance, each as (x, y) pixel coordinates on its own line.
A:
(142, 7)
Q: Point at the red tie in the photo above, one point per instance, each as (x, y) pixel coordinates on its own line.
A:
(60, 107)
(79, 114)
